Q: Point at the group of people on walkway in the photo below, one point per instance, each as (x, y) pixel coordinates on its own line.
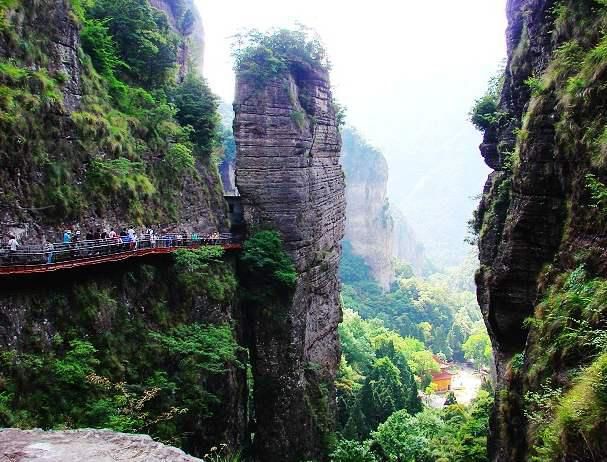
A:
(99, 242)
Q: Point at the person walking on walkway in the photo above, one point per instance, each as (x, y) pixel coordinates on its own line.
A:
(12, 247)
(67, 236)
(152, 239)
(48, 248)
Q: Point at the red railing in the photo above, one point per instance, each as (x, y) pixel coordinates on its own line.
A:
(38, 259)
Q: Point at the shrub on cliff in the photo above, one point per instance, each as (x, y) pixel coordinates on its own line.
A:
(125, 146)
(203, 272)
(485, 114)
(261, 56)
(264, 256)
(143, 38)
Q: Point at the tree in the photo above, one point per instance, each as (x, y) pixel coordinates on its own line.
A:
(382, 394)
(352, 451)
(409, 438)
(413, 403)
(264, 256)
(261, 56)
(451, 399)
(197, 107)
(142, 36)
(478, 349)
(484, 114)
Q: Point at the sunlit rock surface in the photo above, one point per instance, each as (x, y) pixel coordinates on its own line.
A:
(84, 445)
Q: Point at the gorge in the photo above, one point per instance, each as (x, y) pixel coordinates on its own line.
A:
(325, 332)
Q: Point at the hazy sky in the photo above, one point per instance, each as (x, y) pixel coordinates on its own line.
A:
(407, 71)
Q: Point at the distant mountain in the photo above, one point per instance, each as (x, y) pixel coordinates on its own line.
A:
(375, 230)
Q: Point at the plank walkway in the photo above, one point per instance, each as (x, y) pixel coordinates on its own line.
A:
(89, 253)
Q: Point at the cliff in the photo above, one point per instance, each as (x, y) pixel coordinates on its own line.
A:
(542, 233)
(185, 20)
(289, 178)
(369, 225)
(83, 150)
(149, 345)
(407, 247)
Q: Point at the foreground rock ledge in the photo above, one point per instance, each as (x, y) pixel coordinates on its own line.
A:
(84, 445)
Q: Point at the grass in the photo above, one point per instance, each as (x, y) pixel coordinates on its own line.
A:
(578, 425)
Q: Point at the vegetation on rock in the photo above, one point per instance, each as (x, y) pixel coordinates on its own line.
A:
(140, 135)
(111, 366)
(260, 56)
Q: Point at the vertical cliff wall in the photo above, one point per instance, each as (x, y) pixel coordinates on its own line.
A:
(66, 147)
(185, 20)
(406, 245)
(79, 150)
(289, 178)
(542, 233)
(369, 225)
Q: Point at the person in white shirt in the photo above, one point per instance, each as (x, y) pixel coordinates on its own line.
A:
(13, 244)
(12, 247)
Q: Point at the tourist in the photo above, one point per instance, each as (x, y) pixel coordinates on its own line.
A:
(89, 235)
(112, 234)
(12, 247)
(48, 249)
(116, 242)
(76, 244)
(144, 238)
(67, 236)
(152, 238)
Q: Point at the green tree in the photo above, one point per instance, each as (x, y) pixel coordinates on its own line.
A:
(413, 402)
(143, 37)
(382, 394)
(264, 258)
(352, 451)
(408, 438)
(98, 43)
(197, 108)
(261, 56)
(478, 349)
(485, 114)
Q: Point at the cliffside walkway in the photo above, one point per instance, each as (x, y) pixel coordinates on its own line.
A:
(35, 259)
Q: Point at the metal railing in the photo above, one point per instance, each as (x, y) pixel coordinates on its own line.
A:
(88, 249)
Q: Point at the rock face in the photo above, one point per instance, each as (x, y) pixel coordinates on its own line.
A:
(118, 308)
(369, 225)
(115, 310)
(290, 179)
(406, 246)
(185, 20)
(28, 209)
(78, 445)
(536, 219)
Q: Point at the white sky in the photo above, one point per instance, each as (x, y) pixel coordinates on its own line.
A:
(407, 71)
